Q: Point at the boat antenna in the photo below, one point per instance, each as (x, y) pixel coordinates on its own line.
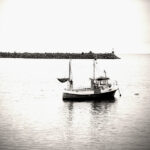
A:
(105, 73)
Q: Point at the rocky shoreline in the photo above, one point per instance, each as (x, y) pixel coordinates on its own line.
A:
(82, 55)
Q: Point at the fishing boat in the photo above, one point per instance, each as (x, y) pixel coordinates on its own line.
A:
(101, 88)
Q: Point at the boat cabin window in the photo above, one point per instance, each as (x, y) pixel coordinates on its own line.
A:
(103, 82)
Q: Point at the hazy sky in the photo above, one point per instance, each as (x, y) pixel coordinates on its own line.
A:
(75, 25)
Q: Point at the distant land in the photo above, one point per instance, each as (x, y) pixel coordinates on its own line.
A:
(89, 55)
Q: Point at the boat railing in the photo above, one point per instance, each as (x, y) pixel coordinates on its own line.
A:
(79, 89)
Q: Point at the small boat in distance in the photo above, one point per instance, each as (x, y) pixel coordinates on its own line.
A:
(102, 88)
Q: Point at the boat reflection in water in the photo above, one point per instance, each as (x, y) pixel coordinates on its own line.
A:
(87, 118)
(101, 88)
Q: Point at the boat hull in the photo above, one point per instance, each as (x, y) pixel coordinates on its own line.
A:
(100, 96)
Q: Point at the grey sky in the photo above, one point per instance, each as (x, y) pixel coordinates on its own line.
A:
(80, 25)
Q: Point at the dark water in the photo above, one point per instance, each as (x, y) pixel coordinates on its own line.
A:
(34, 117)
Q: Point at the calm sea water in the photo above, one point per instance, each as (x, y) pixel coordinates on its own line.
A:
(34, 117)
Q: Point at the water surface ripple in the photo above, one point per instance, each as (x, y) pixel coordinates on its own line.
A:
(34, 117)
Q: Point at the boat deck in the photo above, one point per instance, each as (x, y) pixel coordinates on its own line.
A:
(88, 91)
(80, 91)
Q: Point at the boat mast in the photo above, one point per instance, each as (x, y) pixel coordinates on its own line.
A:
(70, 76)
(94, 69)
(69, 70)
